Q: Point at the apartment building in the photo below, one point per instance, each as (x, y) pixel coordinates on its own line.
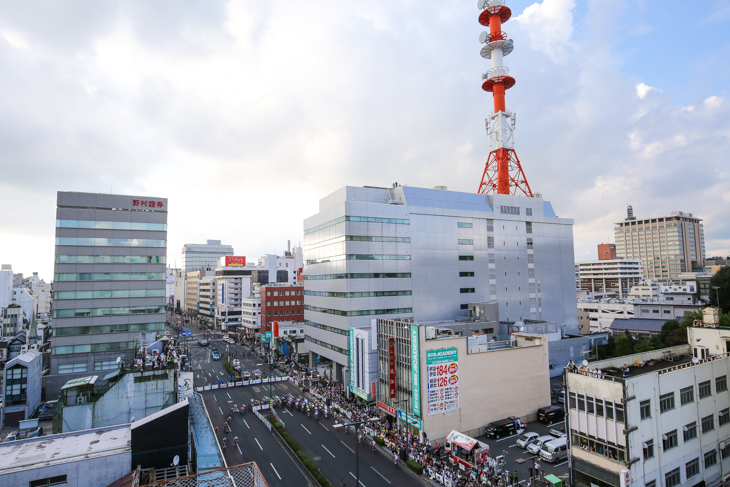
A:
(610, 276)
(281, 302)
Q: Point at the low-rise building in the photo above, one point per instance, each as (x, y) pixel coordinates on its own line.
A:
(22, 388)
(604, 276)
(659, 418)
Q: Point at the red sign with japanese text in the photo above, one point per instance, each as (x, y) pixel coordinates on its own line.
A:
(147, 203)
(386, 408)
(236, 261)
(391, 366)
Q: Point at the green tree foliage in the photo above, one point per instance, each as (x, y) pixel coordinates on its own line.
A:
(624, 344)
(721, 279)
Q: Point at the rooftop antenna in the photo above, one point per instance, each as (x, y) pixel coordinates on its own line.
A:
(503, 172)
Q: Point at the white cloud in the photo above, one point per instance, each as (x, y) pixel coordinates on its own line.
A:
(550, 27)
(643, 89)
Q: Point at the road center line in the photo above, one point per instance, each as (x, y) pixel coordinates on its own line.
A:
(259, 444)
(247, 426)
(239, 449)
(287, 412)
(381, 475)
(323, 426)
(229, 396)
(325, 449)
(353, 476)
(305, 429)
(219, 409)
(353, 451)
(277, 473)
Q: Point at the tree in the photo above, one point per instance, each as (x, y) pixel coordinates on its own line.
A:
(624, 344)
(674, 333)
(721, 280)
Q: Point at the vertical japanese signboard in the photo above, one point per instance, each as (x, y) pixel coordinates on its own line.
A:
(415, 371)
(442, 369)
(391, 367)
(352, 358)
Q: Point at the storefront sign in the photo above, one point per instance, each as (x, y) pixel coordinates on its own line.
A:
(233, 261)
(415, 371)
(359, 392)
(410, 419)
(352, 358)
(147, 203)
(391, 367)
(442, 369)
(386, 408)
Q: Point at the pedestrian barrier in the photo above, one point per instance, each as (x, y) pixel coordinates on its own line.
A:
(227, 385)
(258, 415)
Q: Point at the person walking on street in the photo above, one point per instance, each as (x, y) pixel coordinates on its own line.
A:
(395, 459)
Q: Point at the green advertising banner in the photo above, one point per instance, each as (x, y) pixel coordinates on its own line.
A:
(415, 371)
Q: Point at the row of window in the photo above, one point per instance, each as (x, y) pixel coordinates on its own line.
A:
(363, 312)
(159, 227)
(686, 395)
(110, 242)
(464, 225)
(284, 293)
(467, 290)
(466, 241)
(367, 294)
(105, 329)
(111, 259)
(105, 294)
(84, 367)
(365, 219)
(94, 347)
(335, 258)
(673, 478)
(597, 406)
(282, 313)
(120, 310)
(359, 275)
(109, 276)
(283, 303)
(466, 274)
(366, 238)
(343, 351)
(330, 329)
(599, 446)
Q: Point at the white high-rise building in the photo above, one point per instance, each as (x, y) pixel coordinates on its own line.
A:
(194, 258)
(426, 253)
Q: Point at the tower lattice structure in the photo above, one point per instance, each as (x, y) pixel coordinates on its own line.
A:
(503, 172)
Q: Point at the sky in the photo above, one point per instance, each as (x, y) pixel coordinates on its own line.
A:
(244, 114)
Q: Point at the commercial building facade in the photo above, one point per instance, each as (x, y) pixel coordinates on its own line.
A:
(610, 276)
(196, 257)
(281, 302)
(667, 246)
(109, 282)
(427, 253)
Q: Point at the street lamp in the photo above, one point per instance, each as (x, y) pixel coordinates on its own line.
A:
(357, 445)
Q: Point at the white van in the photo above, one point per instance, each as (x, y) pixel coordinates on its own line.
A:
(555, 450)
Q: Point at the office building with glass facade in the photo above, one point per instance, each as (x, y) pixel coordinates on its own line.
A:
(109, 281)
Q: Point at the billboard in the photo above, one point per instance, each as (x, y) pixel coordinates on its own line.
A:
(184, 385)
(236, 261)
(391, 367)
(415, 371)
(442, 370)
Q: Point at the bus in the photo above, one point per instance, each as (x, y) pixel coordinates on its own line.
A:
(465, 450)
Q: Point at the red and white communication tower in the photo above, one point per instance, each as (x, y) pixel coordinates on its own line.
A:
(503, 173)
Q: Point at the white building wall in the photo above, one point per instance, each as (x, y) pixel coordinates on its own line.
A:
(6, 285)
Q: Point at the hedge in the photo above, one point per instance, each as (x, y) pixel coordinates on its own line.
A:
(309, 464)
(415, 466)
(229, 368)
(379, 440)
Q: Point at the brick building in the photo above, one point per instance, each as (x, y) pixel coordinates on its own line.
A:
(281, 302)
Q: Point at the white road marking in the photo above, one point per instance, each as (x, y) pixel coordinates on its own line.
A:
(325, 449)
(277, 473)
(353, 451)
(323, 426)
(512, 445)
(247, 426)
(381, 475)
(229, 396)
(305, 429)
(219, 409)
(507, 437)
(559, 464)
(353, 476)
(239, 449)
(259, 444)
(287, 412)
(215, 397)
(209, 375)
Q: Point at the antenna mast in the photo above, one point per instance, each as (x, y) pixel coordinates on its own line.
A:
(503, 173)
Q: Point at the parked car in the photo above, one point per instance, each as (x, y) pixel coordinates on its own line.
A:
(237, 364)
(536, 445)
(35, 432)
(503, 427)
(526, 438)
(551, 414)
(216, 355)
(203, 343)
(46, 411)
(555, 450)
(247, 375)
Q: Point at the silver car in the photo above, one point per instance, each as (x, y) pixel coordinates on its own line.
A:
(535, 446)
(526, 438)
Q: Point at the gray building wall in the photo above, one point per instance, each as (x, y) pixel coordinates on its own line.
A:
(109, 282)
(399, 249)
(33, 362)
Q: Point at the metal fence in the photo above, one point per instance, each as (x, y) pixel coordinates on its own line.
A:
(244, 475)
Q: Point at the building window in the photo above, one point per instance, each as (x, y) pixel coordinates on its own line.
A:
(71, 368)
(690, 431)
(648, 449)
(57, 480)
(464, 224)
(666, 402)
(692, 468)
(708, 423)
(645, 409)
(710, 458)
(466, 241)
(651, 483)
(721, 384)
(669, 440)
(466, 290)
(466, 274)
(528, 227)
(725, 452)
(672, 478)
(105, 365)
(528, 211)
(723, 417)
(466, 257)
(490, 242)
(687, 395)
(705, 389)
